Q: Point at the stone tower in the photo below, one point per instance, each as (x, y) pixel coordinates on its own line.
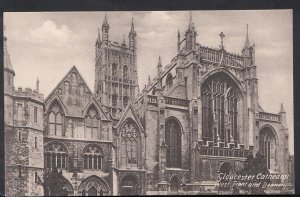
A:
(23, 136)
(116, 81)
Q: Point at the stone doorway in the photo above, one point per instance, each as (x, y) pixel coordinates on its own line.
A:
(129, 186)
(175, 185)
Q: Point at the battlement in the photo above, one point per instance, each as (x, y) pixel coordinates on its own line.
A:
(28, 92)
(222, 150)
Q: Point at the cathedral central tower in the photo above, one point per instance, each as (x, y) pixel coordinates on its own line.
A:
(116, 81)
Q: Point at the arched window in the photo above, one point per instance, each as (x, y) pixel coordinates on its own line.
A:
(114, 70)
(154, 91)
(173, 142)
(20, 112)
(220, 103)
(129, 144)
(169, 80)
(125, 73)
(125, 101)
(114, 100)
(56, 156)
(55, 118)
(92, 124)
(67, 87)
(93, 158)
(267, 146)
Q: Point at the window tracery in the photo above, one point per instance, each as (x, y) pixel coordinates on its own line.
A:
(55, 121)
(173, 142)
(220, 99)
(129, 143)
(93, 158)
(56, 155)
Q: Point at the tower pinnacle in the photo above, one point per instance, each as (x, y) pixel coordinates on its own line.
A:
(247, 42)
(132, 25)
(190, 22)
(159, 62)
(37, 84)
(281, 109)
(124, 39)
(105, 23)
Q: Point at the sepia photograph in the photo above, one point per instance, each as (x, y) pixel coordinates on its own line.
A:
(127, 103)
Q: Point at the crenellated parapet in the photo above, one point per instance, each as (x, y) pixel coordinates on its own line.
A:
(221, 149)
(28, 93)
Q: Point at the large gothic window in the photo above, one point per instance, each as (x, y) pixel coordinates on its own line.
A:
(129, 144)
(267, 146)
(92, 124)
(173, 142)
(55, 117)
(220, 102)
(93, 158)
(56, 156)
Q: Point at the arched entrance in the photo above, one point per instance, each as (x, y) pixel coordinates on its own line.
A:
(129, 186)
(93, 186)
(225, 168)
(173, 142)
(92, 191)
(174, 185)
(55, 184)
(267, 146)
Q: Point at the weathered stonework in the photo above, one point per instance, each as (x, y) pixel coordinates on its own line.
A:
(171, 138)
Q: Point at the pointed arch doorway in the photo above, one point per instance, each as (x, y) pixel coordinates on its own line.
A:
(92, 191)
(129, 186)
(175, 185)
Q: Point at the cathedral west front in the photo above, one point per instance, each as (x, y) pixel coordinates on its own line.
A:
(199, 116)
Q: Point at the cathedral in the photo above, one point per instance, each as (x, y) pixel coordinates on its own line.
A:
(199, 116)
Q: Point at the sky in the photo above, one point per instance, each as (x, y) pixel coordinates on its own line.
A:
(46, 45)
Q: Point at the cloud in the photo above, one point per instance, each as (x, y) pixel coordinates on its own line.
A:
(50, 34)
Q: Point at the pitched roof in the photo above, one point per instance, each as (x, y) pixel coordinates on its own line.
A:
(73, 69)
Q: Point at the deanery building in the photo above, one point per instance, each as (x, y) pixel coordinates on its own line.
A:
(199, 116)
